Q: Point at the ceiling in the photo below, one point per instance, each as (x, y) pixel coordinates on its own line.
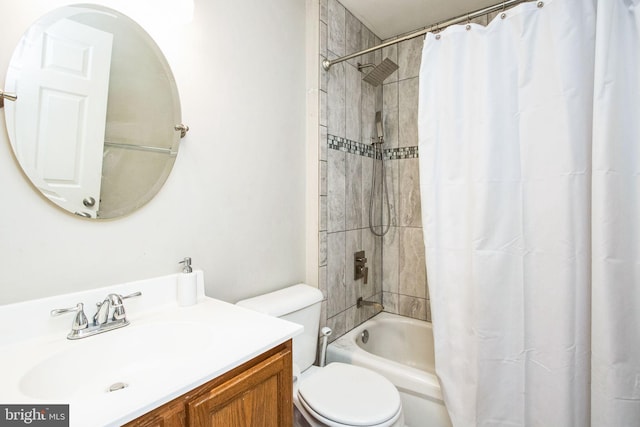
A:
(387, 18)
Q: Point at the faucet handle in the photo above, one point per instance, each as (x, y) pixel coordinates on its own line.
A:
(135, 294)
(79, 322)
(119, 312)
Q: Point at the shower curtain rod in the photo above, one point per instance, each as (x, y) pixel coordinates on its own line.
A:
(326, 64)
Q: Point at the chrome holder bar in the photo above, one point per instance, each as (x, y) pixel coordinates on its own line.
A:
(8, 96)
(326, 64)
(140, 148)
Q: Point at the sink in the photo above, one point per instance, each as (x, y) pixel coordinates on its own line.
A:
(90, 366)
(113, 377)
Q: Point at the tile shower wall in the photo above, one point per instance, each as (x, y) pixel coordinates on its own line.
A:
(347, 124)
(405, 289)
(404, 273)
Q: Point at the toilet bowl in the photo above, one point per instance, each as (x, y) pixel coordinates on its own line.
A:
(340, 396)
(336, 395)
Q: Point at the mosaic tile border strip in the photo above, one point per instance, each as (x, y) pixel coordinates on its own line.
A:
(349, 146)
(354, 147)
(401, 153)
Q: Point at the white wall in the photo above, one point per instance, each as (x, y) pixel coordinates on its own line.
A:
(235, 200)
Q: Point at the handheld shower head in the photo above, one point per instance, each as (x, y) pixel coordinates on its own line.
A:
(379, 129)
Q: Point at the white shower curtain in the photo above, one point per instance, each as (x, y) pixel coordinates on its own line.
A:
(615, 318)
(531, 201)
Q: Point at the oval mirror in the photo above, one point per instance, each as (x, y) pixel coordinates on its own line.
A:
(95, 125)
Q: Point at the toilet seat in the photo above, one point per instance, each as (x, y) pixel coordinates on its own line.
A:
(347, 395)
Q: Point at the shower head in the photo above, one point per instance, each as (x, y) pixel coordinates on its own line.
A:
(380, 72)
(379, 130)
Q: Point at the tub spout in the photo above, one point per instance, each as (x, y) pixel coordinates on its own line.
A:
(361, 302)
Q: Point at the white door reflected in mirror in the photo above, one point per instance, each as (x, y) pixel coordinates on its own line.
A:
(94, 124)
(66, 70)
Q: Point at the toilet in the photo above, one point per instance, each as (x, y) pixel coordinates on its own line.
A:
(339, 394)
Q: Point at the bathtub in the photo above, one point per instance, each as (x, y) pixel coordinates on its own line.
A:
(401, 349)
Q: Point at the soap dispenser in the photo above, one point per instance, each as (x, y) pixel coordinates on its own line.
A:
(187, 284)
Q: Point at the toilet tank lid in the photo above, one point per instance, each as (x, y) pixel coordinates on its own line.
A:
(284, 301)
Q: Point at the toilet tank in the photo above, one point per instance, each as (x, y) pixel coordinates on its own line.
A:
(299, 304)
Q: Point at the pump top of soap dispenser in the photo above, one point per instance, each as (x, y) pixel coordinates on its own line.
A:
(187, 265)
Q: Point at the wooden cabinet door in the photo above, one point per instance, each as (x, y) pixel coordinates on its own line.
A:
(261, 396)
(172, 414)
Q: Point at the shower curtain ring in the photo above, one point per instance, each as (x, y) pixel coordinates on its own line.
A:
(503, 14)
(468, 27)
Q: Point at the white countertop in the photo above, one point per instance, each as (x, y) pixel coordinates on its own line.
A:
(166, 351)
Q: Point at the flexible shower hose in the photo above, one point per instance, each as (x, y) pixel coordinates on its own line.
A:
(385, 192)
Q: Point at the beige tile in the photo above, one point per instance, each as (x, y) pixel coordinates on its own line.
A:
(323, 11)
(412, 307)
(409, 203)
(352, 318)
(322, 281)
(412, 278)
(392, 181)
(390, 114)
(338, 325)
(323, 109)
(353, 204)
(322, 249)
(353, 103)
(335, 273)
(368, 113)
(391, 261)
(408, 112)
(409, 58)
(336, 101)
(390, 302)
(368, 40)
(323, 213)
(323, 39)
(336, 27)
(323, 178)
(336, 190)
(367, 170)
(353, 37)
(323, 146)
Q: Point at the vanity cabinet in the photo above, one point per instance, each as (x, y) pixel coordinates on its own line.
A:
(257, 393)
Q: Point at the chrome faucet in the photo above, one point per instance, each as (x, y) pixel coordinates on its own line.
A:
(80, 327)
